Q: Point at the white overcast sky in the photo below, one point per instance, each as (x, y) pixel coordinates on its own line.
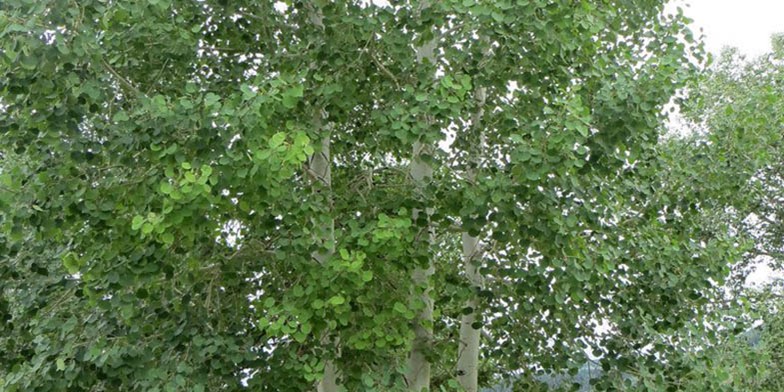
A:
(745, 24)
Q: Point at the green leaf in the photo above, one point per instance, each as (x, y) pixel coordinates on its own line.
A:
(292, 96)
(211, 99)
(167, 238)
(166, 188)
(277, 140)
(289, 102)
(71, 263)
(121, 116)
(262, 322)
(344, 254)
(367, 380)
(137, 222)
(296, 91)
(29, 62)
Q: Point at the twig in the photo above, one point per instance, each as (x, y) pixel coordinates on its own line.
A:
(120, 78)
(6, 189)
(384, 69)
(158, 77)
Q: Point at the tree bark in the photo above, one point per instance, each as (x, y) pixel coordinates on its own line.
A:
(418, 370)
(320, 165)
(329, 383)
(468, 344)
(320, 168)
(418, 373)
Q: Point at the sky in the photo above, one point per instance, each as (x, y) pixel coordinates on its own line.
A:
(745, 24)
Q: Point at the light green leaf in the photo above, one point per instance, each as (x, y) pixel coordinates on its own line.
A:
(137, 222)
(166, 188)
(277, 140)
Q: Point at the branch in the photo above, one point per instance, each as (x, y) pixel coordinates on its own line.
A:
(9, 190)
(385, 71)
(157, 78)
(120, 78)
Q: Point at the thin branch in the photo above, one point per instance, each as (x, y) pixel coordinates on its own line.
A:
(158, 77)
(385, 71)
(120, 78)
(6, 189)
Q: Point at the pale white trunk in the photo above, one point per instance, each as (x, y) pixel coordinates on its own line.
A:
(468, 348)
(329, 383)
(320, 168)
(418, 374)
(468, 344)
(320, 165)
(418, 369)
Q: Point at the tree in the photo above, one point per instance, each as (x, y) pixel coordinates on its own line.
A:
(199, 193)
(738, 108)
(736, 112)
(729, 161)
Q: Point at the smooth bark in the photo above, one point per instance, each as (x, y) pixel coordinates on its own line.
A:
(320, 168)
(418, 374)
(468, 343)
(320, 165)
(418, 369)
(468, 349)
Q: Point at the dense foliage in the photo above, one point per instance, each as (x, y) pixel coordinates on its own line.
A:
(736, 113)
(202, 195)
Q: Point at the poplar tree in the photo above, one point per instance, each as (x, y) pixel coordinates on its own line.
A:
(338, 195)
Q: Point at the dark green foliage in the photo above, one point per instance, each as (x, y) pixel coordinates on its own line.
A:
(158, 216)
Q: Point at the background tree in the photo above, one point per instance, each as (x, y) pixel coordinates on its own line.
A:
(727, 160)
(736, 113)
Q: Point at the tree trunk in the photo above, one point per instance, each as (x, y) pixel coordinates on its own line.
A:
(320, 168)
(468, 344)
(329, 383)
(418, 370)
(418, 374)
(320, 165)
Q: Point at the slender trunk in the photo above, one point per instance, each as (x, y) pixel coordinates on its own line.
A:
(418, 370)
(418, 374)
(320, 167)
(468, 344)
(329, 383)
(468, 347)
